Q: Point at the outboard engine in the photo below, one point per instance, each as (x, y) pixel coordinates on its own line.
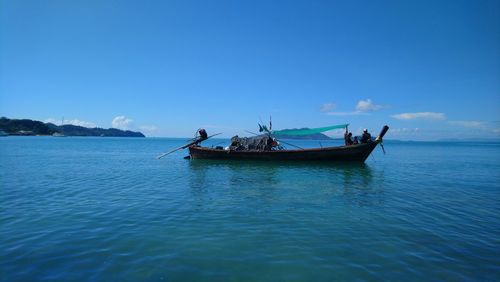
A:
(203, 134)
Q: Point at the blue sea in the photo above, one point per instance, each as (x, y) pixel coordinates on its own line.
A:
(105, 209)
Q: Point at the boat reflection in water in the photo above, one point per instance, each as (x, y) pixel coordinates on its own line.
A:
(287, 182)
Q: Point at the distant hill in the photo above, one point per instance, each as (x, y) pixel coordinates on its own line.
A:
(484, 140)
(75, 130)
(24, 127)
(34, 127)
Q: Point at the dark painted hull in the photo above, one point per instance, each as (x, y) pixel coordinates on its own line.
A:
(354, 153)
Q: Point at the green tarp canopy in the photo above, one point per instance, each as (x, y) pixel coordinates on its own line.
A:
(308, 131)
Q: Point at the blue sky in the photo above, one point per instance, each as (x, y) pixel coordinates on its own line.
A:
(428, 69)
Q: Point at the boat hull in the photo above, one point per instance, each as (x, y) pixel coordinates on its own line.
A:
(354, 153)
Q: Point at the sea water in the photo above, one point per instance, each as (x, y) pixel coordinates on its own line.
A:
(104, 209)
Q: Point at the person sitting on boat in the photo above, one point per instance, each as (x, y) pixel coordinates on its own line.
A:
(235, 143)
(275, 144)
(366, 137)
(202, 135)
(355, 141)
(348, 138)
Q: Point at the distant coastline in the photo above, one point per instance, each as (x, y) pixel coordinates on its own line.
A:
(28, 127)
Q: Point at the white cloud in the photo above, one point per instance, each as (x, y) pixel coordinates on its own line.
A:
(467, 123)
(148, 129)
(53, 120)
(407, 133)
(421, 115)
(71, 121)
(353, 113)
(327, 107)
(367, 106)
(363, 107)
(121, 122)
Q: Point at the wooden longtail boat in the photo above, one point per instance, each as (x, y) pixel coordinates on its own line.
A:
(352, 153)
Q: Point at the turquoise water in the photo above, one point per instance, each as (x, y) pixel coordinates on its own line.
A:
(105, 209)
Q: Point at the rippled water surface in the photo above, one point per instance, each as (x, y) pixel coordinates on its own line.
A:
(106, 209)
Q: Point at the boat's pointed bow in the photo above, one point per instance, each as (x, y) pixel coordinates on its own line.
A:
(382, 133)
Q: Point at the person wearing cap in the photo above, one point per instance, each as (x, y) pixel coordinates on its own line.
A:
(366, 137)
